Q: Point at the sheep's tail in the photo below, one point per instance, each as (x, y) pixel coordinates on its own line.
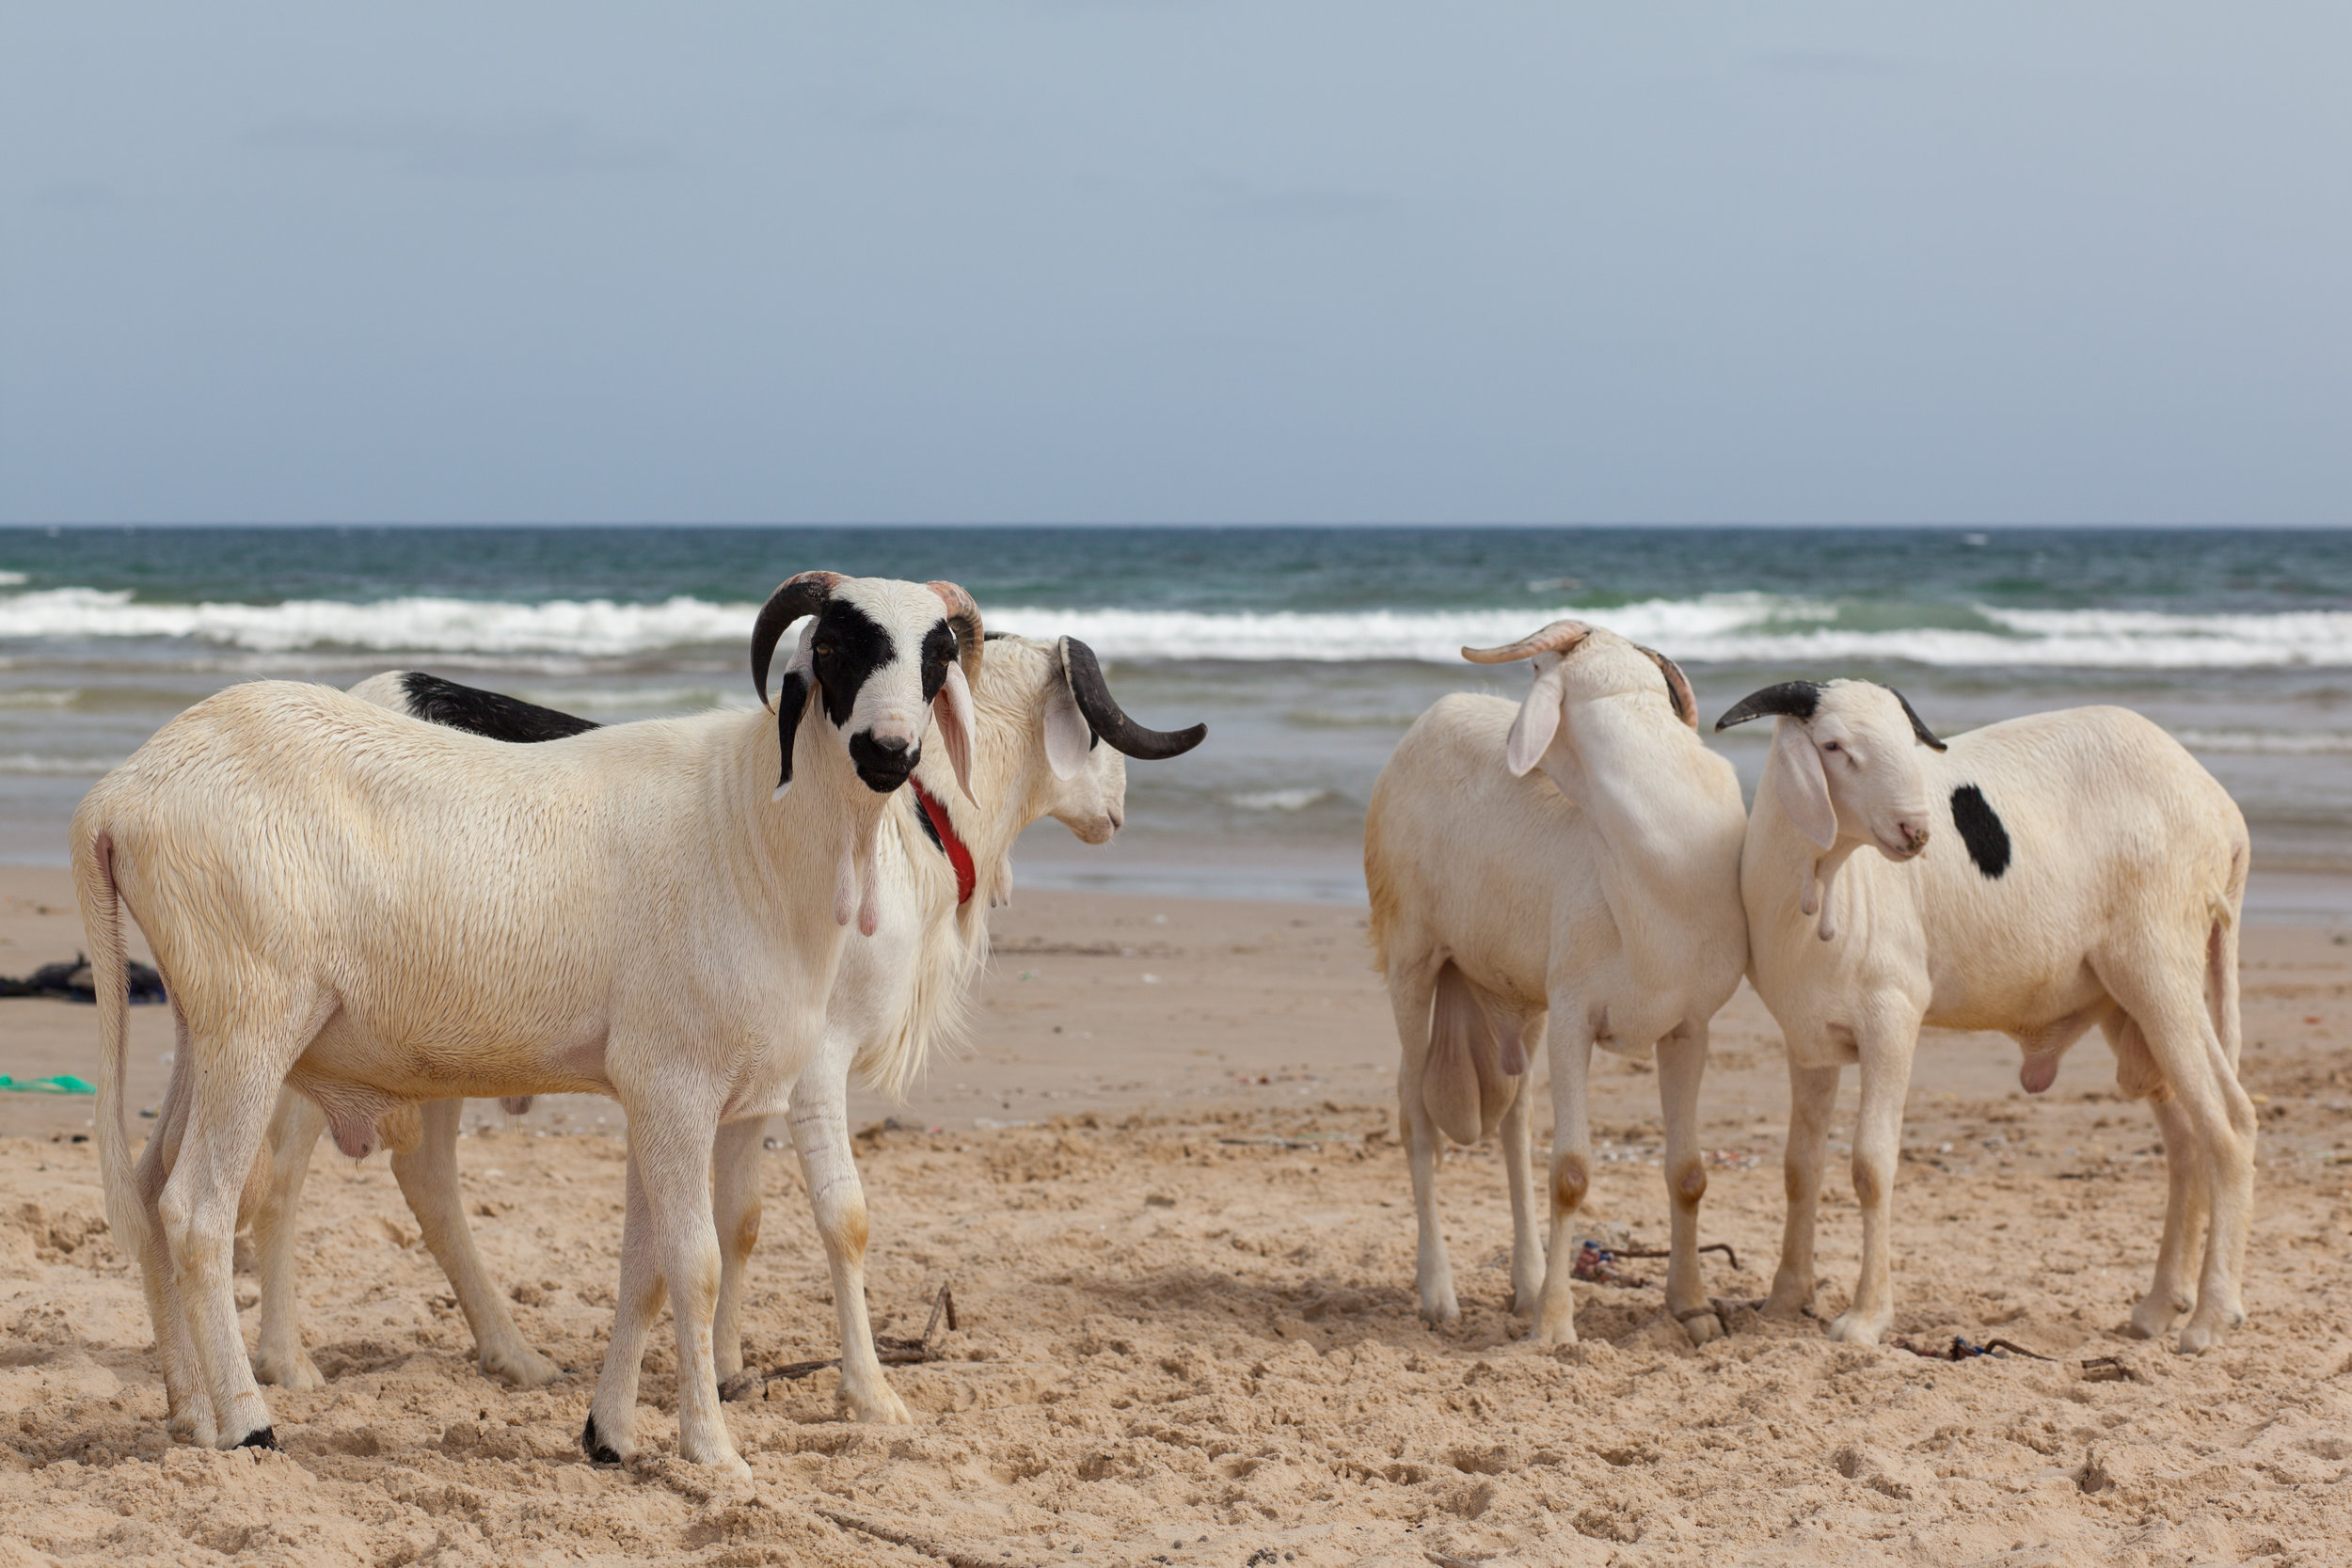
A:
(110, 978)
(1386, 904)
(2221, 980)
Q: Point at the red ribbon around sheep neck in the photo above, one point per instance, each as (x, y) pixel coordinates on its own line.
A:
(957, 856)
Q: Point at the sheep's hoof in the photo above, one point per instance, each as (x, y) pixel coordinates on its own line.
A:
(2155, 1316)
(282, 1371)
(1702, 1325)
(1444, 1310)
(881, 1407)
(1851, 1328)
(593, 1444)
(1788, 1302)
(2202, 1332)
(521, 1366)
(1525, 1300)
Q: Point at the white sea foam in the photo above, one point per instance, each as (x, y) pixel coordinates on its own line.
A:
(1715, 628)
(1278, 799)
(9, 579)
(38, 764)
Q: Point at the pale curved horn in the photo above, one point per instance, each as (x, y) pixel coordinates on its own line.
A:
(1559, 637)
(1677, 686)
(965, 616)
(794, 597)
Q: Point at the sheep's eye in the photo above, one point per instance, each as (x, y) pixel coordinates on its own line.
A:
(1829, 745)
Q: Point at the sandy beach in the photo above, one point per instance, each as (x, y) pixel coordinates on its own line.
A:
(1163, 1185)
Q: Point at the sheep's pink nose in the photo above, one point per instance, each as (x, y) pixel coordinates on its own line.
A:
(1914, 836)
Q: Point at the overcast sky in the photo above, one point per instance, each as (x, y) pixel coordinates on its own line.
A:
(1176, 261)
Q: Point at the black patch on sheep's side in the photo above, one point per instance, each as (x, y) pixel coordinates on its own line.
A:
(849, 645)
(486, 713)
(1981, 828)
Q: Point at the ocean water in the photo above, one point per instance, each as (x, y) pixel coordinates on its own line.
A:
(1307, 651)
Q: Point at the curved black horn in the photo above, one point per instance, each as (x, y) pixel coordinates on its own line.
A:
(794, 597)
(1797, 698)
(1926, 735)
(1677, 686)
(1104, 715)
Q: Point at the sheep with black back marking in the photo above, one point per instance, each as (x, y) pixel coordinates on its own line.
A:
(1596, 902)
(1049, 740)
(2035, 876)
(381, 913)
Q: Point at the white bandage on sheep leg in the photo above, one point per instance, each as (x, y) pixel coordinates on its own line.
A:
(819, 1121)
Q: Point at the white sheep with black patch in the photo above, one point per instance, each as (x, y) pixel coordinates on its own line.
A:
(1049, 740)
(380, 911)
(1594, 902)
(2035, 878)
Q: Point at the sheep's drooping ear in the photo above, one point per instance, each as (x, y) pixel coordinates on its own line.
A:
(1800, 784)
(1538, 720)
(951, 710)
(1068, 735)
(792, 697)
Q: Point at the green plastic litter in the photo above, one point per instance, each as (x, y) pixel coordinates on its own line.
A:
(64, 1083)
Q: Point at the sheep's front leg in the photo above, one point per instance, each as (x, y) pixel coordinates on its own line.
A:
(819, 1120)
(1885, 1047)
(277, 1354)
(1812, 1095)
(611, 1436)
(671, 1152)
(1571, 1048)
(736, 1210)
(1681, 1063)
(427, 1174)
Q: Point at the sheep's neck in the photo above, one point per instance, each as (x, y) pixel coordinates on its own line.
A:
(1608, 766)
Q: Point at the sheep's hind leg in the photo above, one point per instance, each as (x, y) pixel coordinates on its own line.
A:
(820, 1135)
(1433, 1272)
(427, 1174)
(2171, 1294)
(1571, 1053)
(1527, 1246)
(188, 1404)
(278, 1355)
(1812, 1093)
(1682, 1064)
(1885, 1045)
(237, 1077)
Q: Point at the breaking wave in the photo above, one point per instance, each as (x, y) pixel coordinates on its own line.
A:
(1744, 628)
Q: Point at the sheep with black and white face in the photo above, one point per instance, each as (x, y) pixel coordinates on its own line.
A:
(2034, 877)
